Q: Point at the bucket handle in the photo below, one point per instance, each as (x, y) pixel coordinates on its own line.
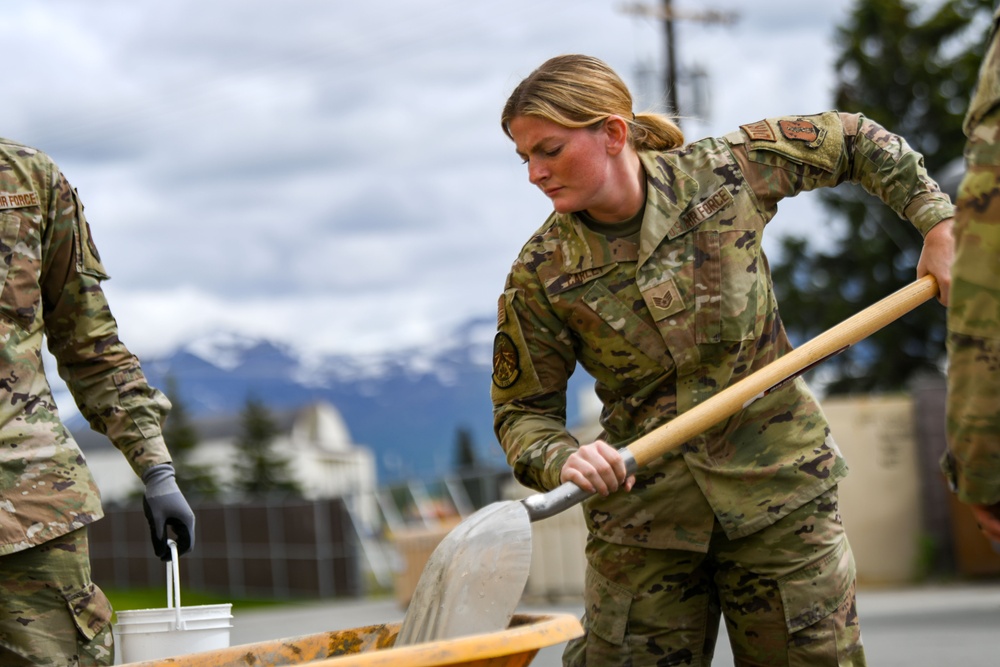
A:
(174, 585)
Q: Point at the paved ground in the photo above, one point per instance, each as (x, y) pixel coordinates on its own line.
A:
(939, 625)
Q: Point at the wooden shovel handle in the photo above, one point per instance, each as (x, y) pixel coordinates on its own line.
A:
(735, 397)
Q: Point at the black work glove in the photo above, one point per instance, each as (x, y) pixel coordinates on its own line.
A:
(164, 505)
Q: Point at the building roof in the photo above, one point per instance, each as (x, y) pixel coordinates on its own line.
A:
(229, 426)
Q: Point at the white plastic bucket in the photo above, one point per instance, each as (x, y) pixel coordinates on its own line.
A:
(151, 634)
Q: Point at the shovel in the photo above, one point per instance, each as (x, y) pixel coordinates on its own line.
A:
(474, 579)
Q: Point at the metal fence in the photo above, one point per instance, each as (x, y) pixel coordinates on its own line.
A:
(271, 550)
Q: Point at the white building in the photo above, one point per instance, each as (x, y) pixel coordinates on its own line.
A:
(313, 438)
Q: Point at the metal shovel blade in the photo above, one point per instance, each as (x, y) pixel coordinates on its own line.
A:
(474, 579)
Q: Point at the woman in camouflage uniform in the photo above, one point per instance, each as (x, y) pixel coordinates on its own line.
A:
(649, 274)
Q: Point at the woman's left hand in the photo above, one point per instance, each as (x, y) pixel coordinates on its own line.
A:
(936, 257)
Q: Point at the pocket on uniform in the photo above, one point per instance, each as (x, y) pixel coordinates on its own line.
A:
(727, 281)
(633, 334)
(20, 294)
(90, 609)
(818, 590)
(9, 225)
(607, 606)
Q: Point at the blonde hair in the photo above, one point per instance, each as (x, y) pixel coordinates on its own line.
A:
(577, 91)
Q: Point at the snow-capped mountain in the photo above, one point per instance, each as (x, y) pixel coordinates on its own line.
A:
(406, 405)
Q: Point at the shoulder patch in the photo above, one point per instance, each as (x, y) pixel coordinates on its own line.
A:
(514, 375)
(802, 130)
(816, 140)
(759, 131)
(506, 361)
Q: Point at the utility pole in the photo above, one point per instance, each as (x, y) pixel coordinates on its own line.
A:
(666, 13)
(670, 70)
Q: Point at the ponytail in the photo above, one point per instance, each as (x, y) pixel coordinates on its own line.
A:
(577, 91)
(653, 131)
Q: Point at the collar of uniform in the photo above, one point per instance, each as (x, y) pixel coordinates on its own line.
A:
(669, 191)
(582, 249)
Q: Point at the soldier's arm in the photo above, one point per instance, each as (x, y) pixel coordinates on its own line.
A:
(532, 361)
(104, 378)
(885, 166)
(781, 157)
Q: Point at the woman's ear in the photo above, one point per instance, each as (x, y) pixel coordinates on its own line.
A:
(616, 131)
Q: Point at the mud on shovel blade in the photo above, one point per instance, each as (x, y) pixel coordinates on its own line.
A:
(474, 580)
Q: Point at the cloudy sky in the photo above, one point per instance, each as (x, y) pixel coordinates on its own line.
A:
(332, 174)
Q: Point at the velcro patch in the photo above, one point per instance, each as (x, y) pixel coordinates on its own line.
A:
(506, 361)
(567, 281)
(18, 199)
(664, 300)
(759, 131)
(707, 207)
(799, 130)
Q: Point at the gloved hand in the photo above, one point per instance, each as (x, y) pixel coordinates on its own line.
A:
(165, 505)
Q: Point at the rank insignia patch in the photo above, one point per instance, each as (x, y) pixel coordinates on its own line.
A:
(506, 361)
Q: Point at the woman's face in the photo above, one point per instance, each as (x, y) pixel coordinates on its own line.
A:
(571, 166)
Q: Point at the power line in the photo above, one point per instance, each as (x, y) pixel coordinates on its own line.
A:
(668, 14)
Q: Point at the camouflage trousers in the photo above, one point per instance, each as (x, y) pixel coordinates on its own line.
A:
(786, 593)
(51, 613)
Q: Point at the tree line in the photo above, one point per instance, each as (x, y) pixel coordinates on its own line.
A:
(259, 469)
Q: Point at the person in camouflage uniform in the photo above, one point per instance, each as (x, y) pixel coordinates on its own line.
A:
(650, 274)
(972, 462)
(51, 613)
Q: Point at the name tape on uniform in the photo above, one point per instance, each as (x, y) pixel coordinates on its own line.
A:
(18, 199)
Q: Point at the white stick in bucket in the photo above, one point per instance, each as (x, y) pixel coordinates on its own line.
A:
(174, 585)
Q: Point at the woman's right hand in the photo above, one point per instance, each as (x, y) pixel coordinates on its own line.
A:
(597, 468)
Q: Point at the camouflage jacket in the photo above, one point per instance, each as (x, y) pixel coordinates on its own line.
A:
(973, 407)
(51, 275)
(664, 324)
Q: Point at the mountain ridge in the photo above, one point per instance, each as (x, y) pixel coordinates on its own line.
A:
(406, 405)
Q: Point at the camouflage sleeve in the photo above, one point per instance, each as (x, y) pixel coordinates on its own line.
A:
(105, 379)
(887, 167)
(532, 361)
(784, 156)
(972, 414)
(986, 96)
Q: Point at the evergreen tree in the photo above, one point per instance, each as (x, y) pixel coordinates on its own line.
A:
(465, 449)
(259, 470)
(195, 481)
(912, 69)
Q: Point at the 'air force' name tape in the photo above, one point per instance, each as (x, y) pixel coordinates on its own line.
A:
(18, 199)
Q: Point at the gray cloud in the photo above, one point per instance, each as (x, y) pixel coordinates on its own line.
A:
(333, 174)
